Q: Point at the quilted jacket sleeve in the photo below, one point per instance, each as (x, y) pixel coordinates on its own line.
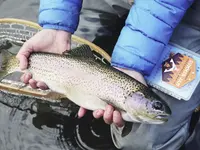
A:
(60, 14)
(147, 31)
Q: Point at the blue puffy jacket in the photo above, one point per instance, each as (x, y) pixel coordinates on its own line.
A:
(60, 14)
(147, 31)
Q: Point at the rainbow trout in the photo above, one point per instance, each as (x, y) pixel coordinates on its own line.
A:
(93, 85)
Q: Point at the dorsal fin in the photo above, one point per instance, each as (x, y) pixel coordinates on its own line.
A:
(81, 51)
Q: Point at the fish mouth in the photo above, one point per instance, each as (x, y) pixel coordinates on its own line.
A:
(159, 119)
(163, 117)
(152, 121)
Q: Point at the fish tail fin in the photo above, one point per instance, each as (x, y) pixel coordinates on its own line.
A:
(2, 74)
(8, 63)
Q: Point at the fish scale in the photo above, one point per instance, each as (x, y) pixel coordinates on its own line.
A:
(92, 85)
(92, 74)
(111, 90)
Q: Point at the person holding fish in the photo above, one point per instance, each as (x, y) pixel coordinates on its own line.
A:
(147, 30)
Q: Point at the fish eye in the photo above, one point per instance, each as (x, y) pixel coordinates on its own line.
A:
(157, 105)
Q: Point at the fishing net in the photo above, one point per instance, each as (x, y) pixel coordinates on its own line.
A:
(13, 34)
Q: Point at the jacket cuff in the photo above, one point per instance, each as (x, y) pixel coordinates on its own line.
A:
(58, 27)
(60, 14)
(122, 59)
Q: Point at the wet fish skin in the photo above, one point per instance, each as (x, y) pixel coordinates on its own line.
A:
(93, 85)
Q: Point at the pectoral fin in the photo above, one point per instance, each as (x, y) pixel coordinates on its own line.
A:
(127, 117)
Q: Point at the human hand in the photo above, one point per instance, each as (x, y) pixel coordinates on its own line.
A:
(47, 40)
(109, 114)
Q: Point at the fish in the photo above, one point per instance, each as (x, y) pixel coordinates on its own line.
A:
(93, 85)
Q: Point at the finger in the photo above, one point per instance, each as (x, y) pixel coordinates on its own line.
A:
(98, 113)
(23, 55)
(117, 119)
(42, 85)
(23, 62)
(33, 83)
(82, 111)
(108, 115)
(26, 77)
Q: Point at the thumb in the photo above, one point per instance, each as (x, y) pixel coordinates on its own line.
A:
(23, 55)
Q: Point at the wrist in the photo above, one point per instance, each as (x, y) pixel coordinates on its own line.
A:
(128, 71)
(64, 34)
(64, 37)
(133, 73)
